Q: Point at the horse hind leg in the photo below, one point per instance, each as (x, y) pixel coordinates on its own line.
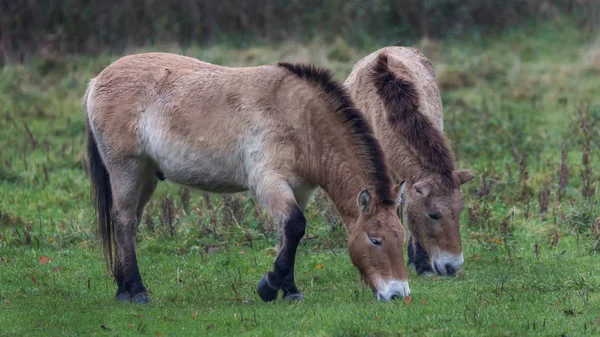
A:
(130, 189)
(146, 193)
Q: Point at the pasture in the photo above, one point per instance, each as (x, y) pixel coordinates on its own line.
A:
(522, 110)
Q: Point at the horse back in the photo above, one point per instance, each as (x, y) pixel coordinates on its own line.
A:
(408, 64)
(200, 124)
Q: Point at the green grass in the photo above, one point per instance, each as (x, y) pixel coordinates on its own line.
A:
(509, 99)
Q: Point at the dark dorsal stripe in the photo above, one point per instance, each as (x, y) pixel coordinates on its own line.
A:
(401, 100)
(354, 120)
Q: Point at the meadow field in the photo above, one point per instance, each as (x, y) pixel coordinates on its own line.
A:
(522, 110)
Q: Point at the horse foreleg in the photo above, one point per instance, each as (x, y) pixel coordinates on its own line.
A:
(279, 198)
(418, 257)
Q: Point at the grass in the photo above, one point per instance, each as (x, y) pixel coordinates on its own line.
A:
(531, 232)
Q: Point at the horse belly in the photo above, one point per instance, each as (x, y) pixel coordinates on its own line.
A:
(220, 171)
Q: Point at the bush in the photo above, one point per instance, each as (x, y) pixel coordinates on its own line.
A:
(55, 27)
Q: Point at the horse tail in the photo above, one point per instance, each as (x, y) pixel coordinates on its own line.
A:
(101, 189)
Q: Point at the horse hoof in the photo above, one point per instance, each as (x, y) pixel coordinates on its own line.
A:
(293, 297)
(141, 298)
(126, 296)
(265, 291)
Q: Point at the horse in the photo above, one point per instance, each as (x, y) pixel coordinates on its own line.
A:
(396, 88)
(279, 131)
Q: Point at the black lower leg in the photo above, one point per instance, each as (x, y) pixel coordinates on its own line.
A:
(130, 283)
(289, 288)
(282, 275)
(123, 293)
(126, 270)
(418, 257)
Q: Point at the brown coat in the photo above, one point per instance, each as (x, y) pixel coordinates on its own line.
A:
(396, 88)
(279, 131)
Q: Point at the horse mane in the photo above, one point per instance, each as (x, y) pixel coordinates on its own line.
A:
(401, 100)
(354, 121)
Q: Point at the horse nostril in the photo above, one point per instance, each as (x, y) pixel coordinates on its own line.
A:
(450, 269)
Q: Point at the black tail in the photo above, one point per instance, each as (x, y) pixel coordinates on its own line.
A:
(102, 196)
(401, 100)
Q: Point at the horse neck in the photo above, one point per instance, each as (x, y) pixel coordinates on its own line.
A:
(407, 166)
(340, 170)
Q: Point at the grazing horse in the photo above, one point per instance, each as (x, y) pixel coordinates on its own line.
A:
(396, 89)
(279, 131)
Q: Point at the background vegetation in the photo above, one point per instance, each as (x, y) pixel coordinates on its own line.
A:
(56, 27)
(521, 109)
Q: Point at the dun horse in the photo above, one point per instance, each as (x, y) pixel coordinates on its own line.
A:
(279, 131)
(396, 89)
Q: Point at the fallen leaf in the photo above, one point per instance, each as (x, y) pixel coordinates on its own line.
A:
(34, 280)
(242, 252)
(319, 266)
(44, 259)
(159, 334)
(55, 269)
(407, 300)
(424, 302)
(131, 325)
(378, 318)
(195, 315)
(496, 241)
(50, 239)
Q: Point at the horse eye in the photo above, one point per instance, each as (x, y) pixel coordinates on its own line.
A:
(434, 216)
(376, 242)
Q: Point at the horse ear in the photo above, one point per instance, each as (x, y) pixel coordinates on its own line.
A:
(398, 191)
(364, 201)
(464, 176)
(422, 187)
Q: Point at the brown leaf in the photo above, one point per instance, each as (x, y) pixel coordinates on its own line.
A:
(159, 334)
(55, 269)
(131, 325)
(34, 280)
(44, 259)
(319, 266)
(407, 300)
(378, 318)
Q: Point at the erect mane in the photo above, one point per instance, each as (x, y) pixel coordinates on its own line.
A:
(401, 100)
(354, 121)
